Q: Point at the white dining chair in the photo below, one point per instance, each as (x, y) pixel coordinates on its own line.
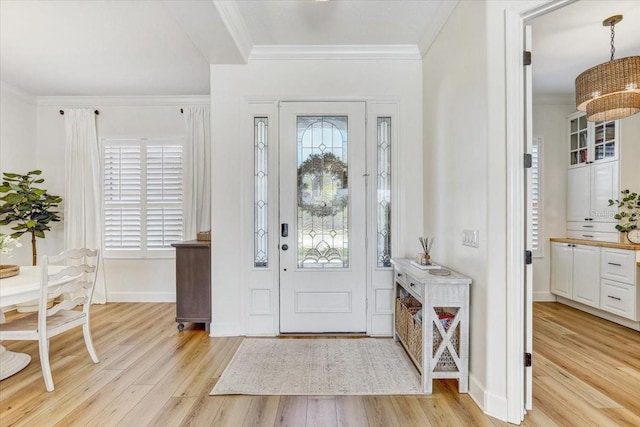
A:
(76, 282)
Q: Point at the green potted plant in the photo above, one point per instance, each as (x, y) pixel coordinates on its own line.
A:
(31, 209)
(628, 211)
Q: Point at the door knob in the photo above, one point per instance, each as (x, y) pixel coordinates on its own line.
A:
(285, 247)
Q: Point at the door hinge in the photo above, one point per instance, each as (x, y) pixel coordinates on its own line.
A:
(528, 257)
(366, 303)
(527, 360)
(528, 160)
(526, 57)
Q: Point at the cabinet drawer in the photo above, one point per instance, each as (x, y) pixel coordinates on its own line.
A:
(618, 298)
(618, 265)
(400, 277)
(593, 235)
(590, 226)
(415, 286)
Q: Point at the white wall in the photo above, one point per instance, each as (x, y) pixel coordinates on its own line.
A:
(550, 123)
(466, 148)
(630, 153)
(457, 150)
(18, 151)
(134, 117)
(231, 86)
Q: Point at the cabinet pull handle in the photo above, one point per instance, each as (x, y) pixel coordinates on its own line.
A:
(615, 298)
(587, 226)
(615, 263)
(399, 274)
(587, 235)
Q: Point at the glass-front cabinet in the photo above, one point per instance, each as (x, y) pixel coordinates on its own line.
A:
(591, 142)
(579, 142)
(605, 141)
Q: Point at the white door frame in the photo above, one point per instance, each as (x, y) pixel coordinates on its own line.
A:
(260, 294)
(515, 17)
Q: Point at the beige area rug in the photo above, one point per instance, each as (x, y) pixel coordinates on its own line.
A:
(356, 366)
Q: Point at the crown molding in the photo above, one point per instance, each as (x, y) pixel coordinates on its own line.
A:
(312, 52)
(232, 18)
(138, 101)
(18, 93)
(445, 9)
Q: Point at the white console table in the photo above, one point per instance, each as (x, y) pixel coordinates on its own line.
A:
(442, 352)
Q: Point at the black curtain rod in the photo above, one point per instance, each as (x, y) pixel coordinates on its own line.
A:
(95, 111)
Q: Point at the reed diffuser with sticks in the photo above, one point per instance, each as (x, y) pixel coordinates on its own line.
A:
(426, 243)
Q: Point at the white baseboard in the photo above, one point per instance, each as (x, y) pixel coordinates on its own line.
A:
(226, 330)
(476, 391)
(543, 296)
(495, 406)
(141, 296)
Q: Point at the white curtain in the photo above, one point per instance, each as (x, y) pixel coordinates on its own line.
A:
(83, 189)
(197, 175)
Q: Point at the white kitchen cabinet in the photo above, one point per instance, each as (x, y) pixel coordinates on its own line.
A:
(590, 188)
(586, 274)
(619, 294)
(591, 142)
(603, 160)
(562, 269)
(618, 298)
(579, 193)
(619, 265)
(575, 272)
(593, 178)
(601, 278)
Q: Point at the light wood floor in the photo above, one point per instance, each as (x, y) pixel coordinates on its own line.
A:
(586, 372)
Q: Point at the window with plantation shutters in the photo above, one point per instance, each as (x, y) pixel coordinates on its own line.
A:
(143, 187)
(536, 197)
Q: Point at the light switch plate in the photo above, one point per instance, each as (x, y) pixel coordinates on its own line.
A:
(470, 238)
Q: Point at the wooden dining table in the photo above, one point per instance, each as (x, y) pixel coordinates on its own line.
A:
(20, 289)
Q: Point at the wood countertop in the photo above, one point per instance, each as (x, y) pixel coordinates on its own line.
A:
(628, 246)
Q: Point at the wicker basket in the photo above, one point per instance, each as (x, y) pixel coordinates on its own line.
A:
(446, 361)
(203, 236)
(414, 330)
(405, 309)
(9, 270)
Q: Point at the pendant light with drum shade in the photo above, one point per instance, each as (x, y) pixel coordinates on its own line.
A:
(610, 90)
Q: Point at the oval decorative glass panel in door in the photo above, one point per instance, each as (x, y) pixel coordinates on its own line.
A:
(323, 192)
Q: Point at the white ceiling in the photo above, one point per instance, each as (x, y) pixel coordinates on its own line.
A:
(572, 39)
(153, 47)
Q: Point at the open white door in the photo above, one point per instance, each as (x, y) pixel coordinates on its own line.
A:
(528, 289)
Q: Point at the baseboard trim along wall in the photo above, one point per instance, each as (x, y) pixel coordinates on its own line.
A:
(226, 330)
(543, 296)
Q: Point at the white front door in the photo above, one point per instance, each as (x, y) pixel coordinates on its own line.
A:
(322, 217)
